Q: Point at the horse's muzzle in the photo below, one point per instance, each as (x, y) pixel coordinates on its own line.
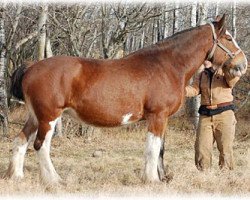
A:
(239, 70)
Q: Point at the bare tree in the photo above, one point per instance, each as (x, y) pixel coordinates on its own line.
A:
(202, 14)
(166, 27)
(193, 19)
(48, 49)
(234, 31)
(42, 31)
(176, 18)
(3, 71)
(217, 8)
(9, 42)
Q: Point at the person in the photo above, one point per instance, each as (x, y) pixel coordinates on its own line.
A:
(217, 120)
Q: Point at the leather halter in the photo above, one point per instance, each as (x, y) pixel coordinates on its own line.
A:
(219, 44)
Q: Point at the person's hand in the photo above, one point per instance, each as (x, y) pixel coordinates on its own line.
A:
(207, 64)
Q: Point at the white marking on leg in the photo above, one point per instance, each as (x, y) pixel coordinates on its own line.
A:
(17, 160)
(48, 172)
(153, 145)
(125, 118)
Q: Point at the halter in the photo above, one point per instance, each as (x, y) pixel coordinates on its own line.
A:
(218, 43)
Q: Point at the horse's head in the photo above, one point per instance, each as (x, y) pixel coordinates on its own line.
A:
(225, 51)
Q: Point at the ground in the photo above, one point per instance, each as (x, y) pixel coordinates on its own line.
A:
(118, 167)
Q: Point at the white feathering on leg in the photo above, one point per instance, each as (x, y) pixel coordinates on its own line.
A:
(153, 145)
(17, 160)
(48, 172)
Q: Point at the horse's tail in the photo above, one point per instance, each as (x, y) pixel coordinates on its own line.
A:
(16, 81)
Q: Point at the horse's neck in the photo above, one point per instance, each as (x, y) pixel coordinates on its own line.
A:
(190, 51)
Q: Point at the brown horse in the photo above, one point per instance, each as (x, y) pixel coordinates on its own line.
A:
(147, 84)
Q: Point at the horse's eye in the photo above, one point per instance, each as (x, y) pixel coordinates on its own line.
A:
(229, 38)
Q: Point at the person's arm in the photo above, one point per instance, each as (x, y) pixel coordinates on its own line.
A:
(193, 89)
(230, 79)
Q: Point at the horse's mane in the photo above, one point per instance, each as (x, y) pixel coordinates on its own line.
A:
(162, 44)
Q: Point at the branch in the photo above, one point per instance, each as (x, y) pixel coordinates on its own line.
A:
(14, 26)
(17, 101)
(26, 39)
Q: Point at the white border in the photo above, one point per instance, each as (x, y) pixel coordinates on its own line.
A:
(122, 197)
(124, 1)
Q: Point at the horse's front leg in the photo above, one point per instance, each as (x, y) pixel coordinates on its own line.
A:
(154, 167)
(42, 145)
(160, 166)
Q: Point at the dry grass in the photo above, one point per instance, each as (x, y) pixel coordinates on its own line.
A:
(118, 170)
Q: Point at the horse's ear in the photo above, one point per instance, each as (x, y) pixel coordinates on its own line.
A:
(218, 18)
(221, 26)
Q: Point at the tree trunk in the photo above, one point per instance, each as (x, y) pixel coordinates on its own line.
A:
(217, 8)
(203, 8)
(166, 24)
(3, 70)
(9, 40)
(48, 49)
(42, 31)
(176, 24)
(104, 48)
(193, 14)
(234, 31)
(154, 31)
(92, 44)
(142, 38)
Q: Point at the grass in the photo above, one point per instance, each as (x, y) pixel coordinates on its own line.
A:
(118, 171)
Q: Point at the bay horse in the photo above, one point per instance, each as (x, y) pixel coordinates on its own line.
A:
(147, 84)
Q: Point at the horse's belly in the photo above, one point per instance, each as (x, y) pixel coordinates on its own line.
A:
(105, 119)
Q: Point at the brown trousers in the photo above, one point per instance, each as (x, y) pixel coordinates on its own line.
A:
(219, 128)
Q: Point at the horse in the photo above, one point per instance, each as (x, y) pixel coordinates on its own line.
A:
(145, 85)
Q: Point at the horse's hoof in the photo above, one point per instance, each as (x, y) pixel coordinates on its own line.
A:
(54, 186)
(12, 176)
(168, 177)
(55, 182)
(62, 183)
(147, 180)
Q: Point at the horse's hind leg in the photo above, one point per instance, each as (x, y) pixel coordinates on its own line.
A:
(42, 145)
(21, 143)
